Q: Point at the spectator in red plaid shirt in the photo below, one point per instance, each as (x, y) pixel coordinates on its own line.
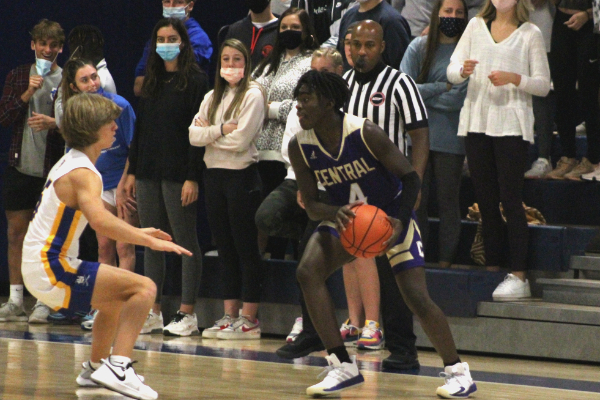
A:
(26, 107)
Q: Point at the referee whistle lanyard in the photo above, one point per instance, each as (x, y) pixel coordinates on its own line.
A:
(255, 36)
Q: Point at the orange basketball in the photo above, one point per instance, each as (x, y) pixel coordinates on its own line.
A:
(365, 233)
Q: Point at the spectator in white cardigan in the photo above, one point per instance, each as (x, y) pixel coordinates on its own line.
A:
(504, 58)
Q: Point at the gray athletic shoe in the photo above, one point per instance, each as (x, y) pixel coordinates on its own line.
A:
(39, 314)
(11, 312)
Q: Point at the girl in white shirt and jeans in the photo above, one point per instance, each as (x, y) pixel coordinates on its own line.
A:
(504, 58)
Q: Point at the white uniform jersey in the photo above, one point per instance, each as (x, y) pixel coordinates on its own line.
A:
(50, 266)
(55, 228)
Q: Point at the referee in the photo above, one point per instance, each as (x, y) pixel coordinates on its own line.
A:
(391, 100)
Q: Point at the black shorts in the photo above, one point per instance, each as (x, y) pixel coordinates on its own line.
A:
(20, 191)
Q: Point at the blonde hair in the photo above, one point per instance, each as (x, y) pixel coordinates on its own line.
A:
(330, 53)
(523, 7)
(84, 115)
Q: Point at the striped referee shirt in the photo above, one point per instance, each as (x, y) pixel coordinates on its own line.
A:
(389, 98)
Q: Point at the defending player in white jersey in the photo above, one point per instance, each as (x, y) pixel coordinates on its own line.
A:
(50, 267)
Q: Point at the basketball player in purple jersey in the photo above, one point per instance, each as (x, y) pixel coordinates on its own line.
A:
(356, 162)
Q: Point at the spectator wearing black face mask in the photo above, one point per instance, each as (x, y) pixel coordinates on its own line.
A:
(257, 31)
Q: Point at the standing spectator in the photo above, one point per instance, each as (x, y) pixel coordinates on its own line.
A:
(504, 58)
(81, 76)
(258, 31)
(86, 42)
(164, 169)
(326, 16)
(426, 61)
(417, 13)
(201, 45)
(542, 16)
(391, 100)
(228, 123)
(396, 32)
(278, 74)
(26, 107)
(574, 62)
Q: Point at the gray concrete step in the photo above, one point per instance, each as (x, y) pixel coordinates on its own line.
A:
(585, 263)
(585, 292)
(539, 310)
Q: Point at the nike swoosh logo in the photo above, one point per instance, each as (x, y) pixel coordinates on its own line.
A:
(119, 377)
(593, 61)
(244, 329)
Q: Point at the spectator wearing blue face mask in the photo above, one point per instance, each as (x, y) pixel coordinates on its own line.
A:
(26, 107)
(201, 44)
(164, 169)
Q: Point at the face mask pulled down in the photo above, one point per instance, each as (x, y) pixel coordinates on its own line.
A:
(43, 66)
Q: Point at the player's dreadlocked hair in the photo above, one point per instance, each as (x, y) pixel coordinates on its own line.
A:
(87, 42)
(326, 85)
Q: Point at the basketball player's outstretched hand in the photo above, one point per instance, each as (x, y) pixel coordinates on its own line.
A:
(157, 233)
(397, 225)
(344, 215)
(163, 245)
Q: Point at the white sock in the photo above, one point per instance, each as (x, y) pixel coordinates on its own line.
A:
(16, 294)
(120, 360)
(95, 365)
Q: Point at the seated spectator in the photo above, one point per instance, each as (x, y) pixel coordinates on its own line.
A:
(228, 123)
(201, 45)
(164, 169)
(326, 16)
(426, 61)
(258, 31)
(396, 32)
(278, 74)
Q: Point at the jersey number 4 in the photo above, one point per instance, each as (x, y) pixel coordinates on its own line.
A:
(356, 194)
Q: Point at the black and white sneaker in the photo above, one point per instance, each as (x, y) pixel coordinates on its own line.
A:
(121, 378)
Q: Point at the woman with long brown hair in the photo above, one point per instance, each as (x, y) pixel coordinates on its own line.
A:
(278, 73)
(164, 169)
(426, 60)
(227, 125)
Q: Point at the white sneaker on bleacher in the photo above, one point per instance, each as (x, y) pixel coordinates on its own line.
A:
(296, 329)
(339, 376)
(512, 288)
(539, 169)
(458, 384)
(592, 176)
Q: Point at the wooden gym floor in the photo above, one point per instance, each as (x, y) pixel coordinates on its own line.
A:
(42, 361)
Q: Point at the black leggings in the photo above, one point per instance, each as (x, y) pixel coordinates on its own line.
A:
(232, 198)
(574, 63)
(497, 165)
